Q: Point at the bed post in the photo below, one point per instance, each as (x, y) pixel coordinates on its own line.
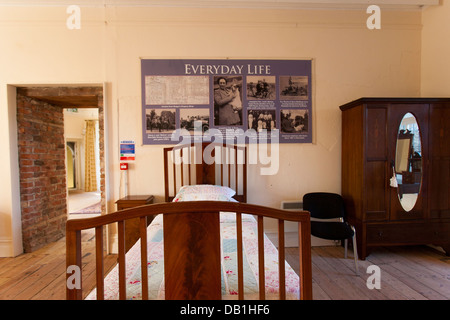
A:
(166, 175)
(305, 274)
(73, 265)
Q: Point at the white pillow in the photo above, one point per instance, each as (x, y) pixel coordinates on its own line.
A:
(204, 192)
(207, 188)
(202, 197)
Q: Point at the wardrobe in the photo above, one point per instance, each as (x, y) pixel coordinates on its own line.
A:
(396, 171)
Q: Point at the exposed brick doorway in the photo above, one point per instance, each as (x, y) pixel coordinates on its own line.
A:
(40, 125)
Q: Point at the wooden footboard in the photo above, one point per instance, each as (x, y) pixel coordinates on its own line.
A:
(196, 225)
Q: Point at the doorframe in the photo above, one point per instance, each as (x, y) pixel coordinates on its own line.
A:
(99, 89)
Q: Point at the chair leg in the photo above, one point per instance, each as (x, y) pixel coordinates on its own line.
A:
(345, 246)
(355, 251)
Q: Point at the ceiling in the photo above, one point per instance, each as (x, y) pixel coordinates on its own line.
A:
(256, 4)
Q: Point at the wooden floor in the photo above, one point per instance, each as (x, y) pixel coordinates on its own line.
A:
(417, 272)
(406, 273)
(41, 275)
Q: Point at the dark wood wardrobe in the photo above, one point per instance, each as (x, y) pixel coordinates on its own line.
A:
(396, 171)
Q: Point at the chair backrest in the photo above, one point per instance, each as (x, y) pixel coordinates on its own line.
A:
(324, 205)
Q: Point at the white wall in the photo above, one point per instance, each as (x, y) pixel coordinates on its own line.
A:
(435, 71)
(350, 61)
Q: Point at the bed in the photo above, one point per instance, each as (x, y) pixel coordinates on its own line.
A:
(204, 241)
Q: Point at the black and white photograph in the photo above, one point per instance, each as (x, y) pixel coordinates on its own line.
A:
(261, 87)
(262, 119)
(228, 100)
(194, 118)
(160, 120)
(294, 121)
(294, 88)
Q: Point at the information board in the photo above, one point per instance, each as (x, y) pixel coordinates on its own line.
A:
(244, 100)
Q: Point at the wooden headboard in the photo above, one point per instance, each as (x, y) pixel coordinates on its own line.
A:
(205, 163)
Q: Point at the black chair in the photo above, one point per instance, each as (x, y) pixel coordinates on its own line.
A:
(324, 206)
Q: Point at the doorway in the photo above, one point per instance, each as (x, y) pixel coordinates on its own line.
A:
(72, 160)
(42, 158)
(81, 130)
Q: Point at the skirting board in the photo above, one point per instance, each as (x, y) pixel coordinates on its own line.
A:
(5, 248)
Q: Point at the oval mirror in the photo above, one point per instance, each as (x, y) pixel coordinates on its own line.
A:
(408, 162)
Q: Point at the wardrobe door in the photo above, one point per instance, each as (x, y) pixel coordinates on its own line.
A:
(408, 152)
(376, 165)
(439, 186)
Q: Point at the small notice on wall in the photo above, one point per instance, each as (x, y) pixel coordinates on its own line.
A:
(127, 150)
(244, 99)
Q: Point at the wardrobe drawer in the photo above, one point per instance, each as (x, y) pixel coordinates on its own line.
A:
(440, 232)
(410, 233)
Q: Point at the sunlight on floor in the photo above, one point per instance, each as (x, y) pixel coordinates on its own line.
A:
(79, 200)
